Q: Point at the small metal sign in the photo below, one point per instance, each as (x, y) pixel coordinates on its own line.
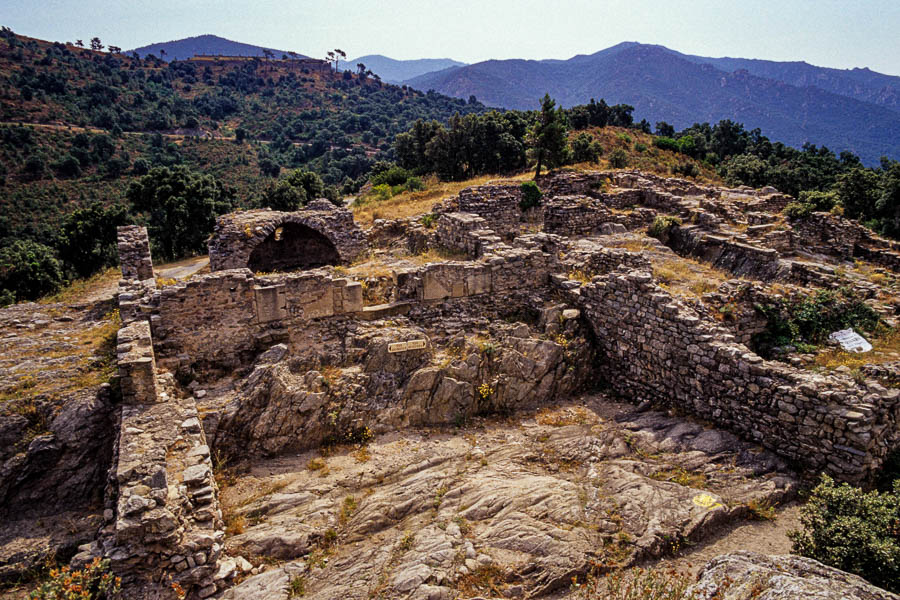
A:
(404, 346)
(850, 341)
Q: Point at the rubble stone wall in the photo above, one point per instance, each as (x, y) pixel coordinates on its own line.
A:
(498, 205)
(653, 347)
(134, 253)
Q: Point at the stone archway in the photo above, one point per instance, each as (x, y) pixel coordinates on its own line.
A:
(293, 246)
(268, 240)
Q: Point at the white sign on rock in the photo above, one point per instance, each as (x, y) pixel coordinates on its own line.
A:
(850, 341)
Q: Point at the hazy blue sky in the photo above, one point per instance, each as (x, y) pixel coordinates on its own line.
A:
(843, 34)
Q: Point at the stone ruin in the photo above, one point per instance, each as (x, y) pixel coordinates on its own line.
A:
(266, 240)
(273, 333)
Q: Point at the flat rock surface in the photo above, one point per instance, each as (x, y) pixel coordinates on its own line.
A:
(748, 575)
(497, 507)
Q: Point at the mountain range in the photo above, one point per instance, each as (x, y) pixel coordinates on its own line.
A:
(792, 102)
(856, 110)
(396, 71)
(201, 45)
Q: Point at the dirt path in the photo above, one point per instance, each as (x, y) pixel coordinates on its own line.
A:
(765, 537)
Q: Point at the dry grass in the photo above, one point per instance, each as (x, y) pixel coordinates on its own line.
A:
(652, 160)
(410, 204)
(687, 277)
(487, 580)
(81, 289)
(885, 348)
(559, 417)
(681, 476)
(433, 255)
(632, 245)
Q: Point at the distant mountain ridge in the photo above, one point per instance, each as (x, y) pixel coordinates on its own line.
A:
(205, 45)
(395, 71)
(857, 112)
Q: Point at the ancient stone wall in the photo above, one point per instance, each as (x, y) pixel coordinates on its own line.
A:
(653, 347)
(164, 524)
(134, 253)
(465, 232)
(267, 240)
(498, 205)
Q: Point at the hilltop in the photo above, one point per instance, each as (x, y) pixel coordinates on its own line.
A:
(663, 85)
(206, 45)
(397, 71)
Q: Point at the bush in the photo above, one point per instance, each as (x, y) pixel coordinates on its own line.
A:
(809, 320)
(666, 143)
(586, 149)
(639, 147)
(797, 210)
(415, 184)
(638, 584)
(686, 169)
(392, 176)
(29, 270)
(94, 582)
(854, 531)
(618, 159)
(531, 195)
(661, 226)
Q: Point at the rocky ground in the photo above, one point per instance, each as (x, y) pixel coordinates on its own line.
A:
(510, 507)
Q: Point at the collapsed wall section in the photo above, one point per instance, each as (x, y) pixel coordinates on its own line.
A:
(655, 348)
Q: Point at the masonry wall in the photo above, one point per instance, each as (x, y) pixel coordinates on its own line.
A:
(655, 348)
(134, 253)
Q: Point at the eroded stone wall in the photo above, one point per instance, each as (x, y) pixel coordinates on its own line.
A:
(655, 348)
(134, 253)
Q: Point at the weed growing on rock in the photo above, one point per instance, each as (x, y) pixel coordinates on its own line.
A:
(93, 582)
(297, 587)
(637, 584)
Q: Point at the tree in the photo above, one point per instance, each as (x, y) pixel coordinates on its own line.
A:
(28, 270)
(95, 44)
(115, 50)
(547, 137)
(664, 129)
(294, 191)
(87, 238)
(79, 43)
(181, 207)
(857, 191)
(585, 148)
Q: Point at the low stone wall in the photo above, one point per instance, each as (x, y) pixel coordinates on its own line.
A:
(735, 257)
(134, 253)
(653, 347)
(465, 232)
(136, 364)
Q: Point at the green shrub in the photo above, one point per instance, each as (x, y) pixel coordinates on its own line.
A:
(531, 195)
(381, 192)
(797, 210)
(618, 159)
(854, 531)
(415, 184)
(820, 201)
(661, 226)
(809, 320)
(686, 169)
(392, 176)
(429, 220)
(585, 148)
(666, 143)
(639, 147)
